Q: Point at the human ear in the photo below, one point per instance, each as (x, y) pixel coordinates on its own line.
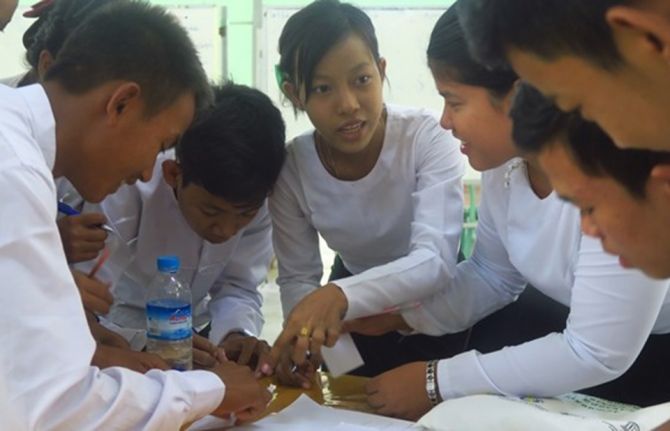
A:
(651, 28)
(381, 65)
(43, 64)
(123, 98)
(171, 172)
(291, 91)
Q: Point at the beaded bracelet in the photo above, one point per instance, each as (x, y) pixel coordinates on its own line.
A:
(431, 383)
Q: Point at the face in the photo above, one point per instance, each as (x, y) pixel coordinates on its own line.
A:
(211, 217)
(127, 152)
(480, 122)
(7, 8)
(345, 104)
(631, 103)
(633, 229)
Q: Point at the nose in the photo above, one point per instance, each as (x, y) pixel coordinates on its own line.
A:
(226, 228)
(145, 175)
(589, 227)
(348, 102)
(445, 121)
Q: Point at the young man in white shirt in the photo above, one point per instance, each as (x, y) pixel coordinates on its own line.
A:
(208, 206)
(99, 119)
(606, 58)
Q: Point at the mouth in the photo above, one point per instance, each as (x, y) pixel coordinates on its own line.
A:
(352, 130)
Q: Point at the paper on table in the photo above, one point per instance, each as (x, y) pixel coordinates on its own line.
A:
(306, 415)
(342, 357)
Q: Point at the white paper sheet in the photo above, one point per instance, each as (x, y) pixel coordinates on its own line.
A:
(342, 357)
(306, 415)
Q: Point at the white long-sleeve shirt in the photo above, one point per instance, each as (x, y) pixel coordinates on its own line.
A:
(46, 347)
(397, 229)
(148, 223)
(524, 239)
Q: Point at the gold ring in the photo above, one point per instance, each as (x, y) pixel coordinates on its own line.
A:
(304, 331)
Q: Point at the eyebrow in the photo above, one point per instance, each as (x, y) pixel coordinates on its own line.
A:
(356, 68)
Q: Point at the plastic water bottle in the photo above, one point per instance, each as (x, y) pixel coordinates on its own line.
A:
(169, 327)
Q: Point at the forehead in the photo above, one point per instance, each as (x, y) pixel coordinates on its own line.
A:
(565, 176)
(349, 54)
(558, 74)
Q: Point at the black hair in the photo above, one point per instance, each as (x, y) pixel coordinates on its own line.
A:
(236, 149)
(539, 124)
(545, 28)
(54, 25)
(131, 40)
(448, 53)
(312, 31)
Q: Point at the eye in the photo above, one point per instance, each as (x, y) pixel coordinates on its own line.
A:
(320, 89)
(364, 79)
(585, 212)
(208, 213)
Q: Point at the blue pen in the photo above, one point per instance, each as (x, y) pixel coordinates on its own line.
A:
(69, 211)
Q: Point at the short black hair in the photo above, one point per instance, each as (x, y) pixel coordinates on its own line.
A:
(132, 40)
(539, 124)
(236, 149)
(312, 31)
(545, 28)
(448, 54)
(53, 27)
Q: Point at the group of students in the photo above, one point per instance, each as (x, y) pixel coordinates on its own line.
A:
(551, 301)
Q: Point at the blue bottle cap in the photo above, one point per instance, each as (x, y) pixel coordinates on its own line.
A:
(168, 263)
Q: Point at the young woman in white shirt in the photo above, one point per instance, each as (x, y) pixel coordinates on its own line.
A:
(526, 235)
(380, 183)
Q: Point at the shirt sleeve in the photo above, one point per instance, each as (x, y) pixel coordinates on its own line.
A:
(482, 284)
(46, 355)
(236, 301)
(296, 244)
(435, 232)
(612, 313)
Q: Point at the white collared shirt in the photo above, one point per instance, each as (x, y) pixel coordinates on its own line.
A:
(397, 229)
(148, 222)
(524, 239)
(46, 347)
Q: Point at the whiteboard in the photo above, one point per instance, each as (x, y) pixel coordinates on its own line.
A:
(202, 22)
(403, 36)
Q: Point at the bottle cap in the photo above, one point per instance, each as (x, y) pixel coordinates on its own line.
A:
(168, 264)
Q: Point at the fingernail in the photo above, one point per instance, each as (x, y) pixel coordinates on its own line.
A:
(266, 369)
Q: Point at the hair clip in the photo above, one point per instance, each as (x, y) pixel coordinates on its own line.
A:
(280, 76)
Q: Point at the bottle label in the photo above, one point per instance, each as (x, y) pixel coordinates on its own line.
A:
(168, 320)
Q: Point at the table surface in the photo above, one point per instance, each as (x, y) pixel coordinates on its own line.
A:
(345, 392)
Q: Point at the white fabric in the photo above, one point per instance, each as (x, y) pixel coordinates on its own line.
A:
(148, 223)
(397, 229)
(523, 239)
(46, 347)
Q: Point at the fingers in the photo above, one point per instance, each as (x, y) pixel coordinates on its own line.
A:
(153, 361)
(205, 353)
(247, 350)
(265, 366)
(95, 295)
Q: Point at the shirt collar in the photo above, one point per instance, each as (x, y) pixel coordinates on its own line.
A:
(43, 121)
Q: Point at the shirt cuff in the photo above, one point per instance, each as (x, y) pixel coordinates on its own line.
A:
(462, 375)
(207, 392)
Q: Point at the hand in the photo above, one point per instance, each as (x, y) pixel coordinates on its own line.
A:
(82, 236)
(315, 321)
(245, 396)
(400, 392)
(302, 375)
(376, 325)
(105, 336)
(249, 351)
(205, 353)
(94, 294)
(108, 356)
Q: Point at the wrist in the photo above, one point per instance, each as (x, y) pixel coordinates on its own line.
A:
(341, 302)
(432, 388)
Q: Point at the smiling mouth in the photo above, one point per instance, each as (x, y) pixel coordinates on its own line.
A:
(351, 130)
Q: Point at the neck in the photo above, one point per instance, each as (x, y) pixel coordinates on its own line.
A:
(538, 180)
